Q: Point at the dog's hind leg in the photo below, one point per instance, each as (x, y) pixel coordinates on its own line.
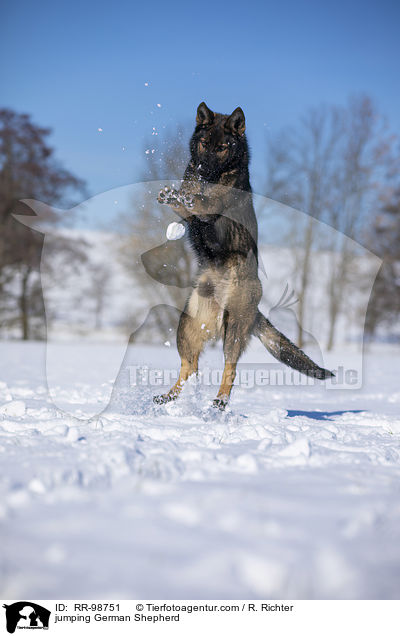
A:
(242, 295)
(236, 337)
(189, 348)
(228, 378)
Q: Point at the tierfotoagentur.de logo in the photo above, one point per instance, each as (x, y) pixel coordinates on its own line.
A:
(26, 615)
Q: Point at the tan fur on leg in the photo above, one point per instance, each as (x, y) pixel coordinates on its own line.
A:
(228, 378)
(187, 369)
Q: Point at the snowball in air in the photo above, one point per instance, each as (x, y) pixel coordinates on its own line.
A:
(175, 231)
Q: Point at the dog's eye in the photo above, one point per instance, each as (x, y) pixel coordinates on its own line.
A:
(221, 148)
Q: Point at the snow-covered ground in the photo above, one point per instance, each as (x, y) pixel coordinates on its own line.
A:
(293, 493)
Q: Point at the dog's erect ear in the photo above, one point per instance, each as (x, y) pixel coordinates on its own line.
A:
(204, 115)
(236, 122)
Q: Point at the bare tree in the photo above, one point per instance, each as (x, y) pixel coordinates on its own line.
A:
(98, 292)
(144, 226)
(299, 174)
(384, 237)
(358, 186)
(28, 169)
(330, 167)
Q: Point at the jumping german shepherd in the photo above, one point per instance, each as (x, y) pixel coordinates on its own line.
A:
(215, 201)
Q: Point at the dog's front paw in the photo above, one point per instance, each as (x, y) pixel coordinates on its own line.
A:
(186, 199)
(168, 196)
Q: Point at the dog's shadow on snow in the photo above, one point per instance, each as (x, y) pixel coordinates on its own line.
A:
(320, 415)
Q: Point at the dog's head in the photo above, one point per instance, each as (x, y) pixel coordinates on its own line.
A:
(218, 144)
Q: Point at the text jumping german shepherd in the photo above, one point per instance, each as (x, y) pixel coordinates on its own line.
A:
(215, 201)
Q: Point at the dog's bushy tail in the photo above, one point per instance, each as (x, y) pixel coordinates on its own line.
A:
(285, 351)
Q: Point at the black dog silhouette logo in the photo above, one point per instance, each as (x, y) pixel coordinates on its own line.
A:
(26, 615)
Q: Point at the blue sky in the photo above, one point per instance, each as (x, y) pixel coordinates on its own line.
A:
(77, 67)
